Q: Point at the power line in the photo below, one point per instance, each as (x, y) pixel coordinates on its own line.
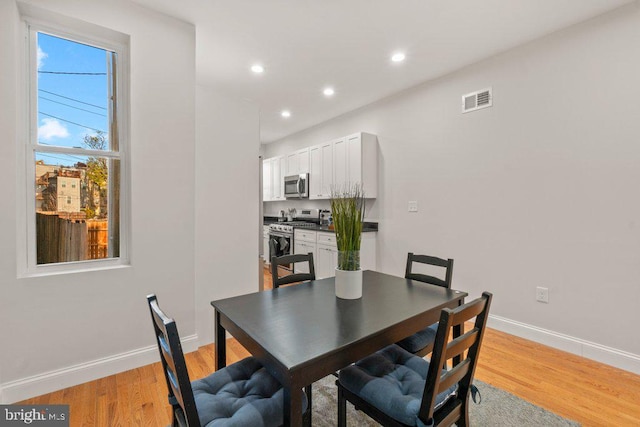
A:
(69, 121)
(71, 99)
(75, 74)
(71, 106)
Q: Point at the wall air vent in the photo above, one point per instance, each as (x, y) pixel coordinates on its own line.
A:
(477, 100)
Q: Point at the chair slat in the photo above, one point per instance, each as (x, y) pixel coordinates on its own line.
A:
(459, 345)
(427, 259)
(449, 415)
(425, 278)
(464, 313)
(453, 375)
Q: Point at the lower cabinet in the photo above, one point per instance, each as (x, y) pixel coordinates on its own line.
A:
(328, 254)
(327, 261)
(265, 243)
(304, 241)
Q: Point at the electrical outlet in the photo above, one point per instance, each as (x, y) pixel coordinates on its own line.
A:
(542, 294)
(413, 206)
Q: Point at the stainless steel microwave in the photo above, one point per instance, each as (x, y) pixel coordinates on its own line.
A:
(296, 186)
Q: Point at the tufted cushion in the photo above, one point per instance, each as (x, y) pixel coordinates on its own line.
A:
(393, 381)
(420, 339)
(242, 394)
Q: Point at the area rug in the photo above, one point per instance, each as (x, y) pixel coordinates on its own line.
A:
(497, 409)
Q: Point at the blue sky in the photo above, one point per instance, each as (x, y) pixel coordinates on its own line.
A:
(70, 106)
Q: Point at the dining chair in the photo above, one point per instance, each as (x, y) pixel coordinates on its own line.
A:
(294, 277)
(397, 388)
(243, 393)
(421, 343)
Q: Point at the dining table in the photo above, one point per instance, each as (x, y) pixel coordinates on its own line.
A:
(303, 332)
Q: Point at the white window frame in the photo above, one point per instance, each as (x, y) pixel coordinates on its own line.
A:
(36, 20)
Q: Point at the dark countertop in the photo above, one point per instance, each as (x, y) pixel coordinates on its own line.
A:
(366, 226)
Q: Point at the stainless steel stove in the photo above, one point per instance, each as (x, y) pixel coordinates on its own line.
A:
(281, 233)
(288, 226)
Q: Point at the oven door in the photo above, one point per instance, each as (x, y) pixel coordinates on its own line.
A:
(280, 244)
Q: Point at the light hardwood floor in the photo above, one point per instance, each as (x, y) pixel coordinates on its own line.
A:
(573, 387)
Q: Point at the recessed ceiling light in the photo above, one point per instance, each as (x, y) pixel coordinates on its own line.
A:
(285, 113)
(398, 57)
(257, 68)
(328, 91)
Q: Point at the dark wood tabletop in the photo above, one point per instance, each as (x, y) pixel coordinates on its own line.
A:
(302, 333)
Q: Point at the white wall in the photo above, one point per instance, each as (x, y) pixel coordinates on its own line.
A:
(539, 190)
(226, 205)
(65, 329)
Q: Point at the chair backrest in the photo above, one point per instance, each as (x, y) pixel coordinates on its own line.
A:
(439, 380)
(295, 277)
(430, 260)
(174, 367)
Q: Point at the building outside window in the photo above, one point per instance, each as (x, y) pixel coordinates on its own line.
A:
(75, 173)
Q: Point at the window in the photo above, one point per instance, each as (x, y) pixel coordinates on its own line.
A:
(76, 154)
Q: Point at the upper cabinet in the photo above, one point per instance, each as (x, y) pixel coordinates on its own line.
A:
(267, 181)
(363, 162)
(321, 170)
(337, 164)
(355, 160)
(273, 173)
(298, 162)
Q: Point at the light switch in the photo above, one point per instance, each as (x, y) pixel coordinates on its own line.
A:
(413, 206)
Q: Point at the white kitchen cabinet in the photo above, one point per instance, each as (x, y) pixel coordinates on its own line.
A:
(361, 158)
(304, 241)
(336, 164)
(321, 171)
(298, 162)
(277, 177)
(266, 181)
(340, 163)
(265, 244)
(327, 261)
(328, 253)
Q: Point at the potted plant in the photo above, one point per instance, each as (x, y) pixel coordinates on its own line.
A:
(347, 210)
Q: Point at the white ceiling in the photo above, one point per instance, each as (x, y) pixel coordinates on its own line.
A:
(306, 45)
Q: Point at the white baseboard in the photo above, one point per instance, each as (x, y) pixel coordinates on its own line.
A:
(607, 355)
(48, 382)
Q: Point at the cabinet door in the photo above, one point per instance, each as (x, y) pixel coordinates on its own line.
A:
(340, 172)
(303, 160)
(277, 180)
(315, 172)
(303, 248)
(354, 159)
(327, 261)
(266, 180)
(292, 164)
(265, 249)
(326, 172)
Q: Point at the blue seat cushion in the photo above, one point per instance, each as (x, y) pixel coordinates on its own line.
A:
(393, 381)
(242, 394)
(420, 339)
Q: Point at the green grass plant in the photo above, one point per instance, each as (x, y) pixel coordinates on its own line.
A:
(347, 210)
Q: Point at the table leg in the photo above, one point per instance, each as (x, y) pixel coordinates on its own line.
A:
(221, 344)
(458, 330)
(293, 406)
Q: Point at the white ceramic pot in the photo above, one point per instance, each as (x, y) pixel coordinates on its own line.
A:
(348, 284)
